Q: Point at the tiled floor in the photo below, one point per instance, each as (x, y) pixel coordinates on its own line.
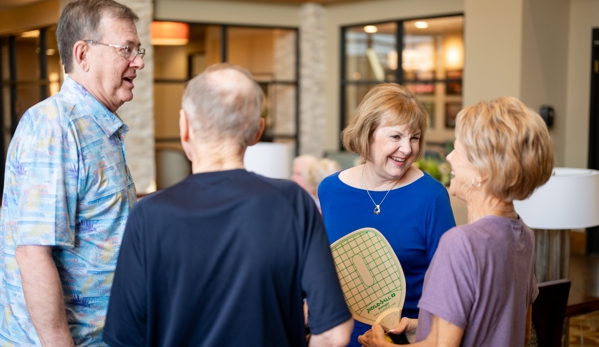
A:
(584, 274)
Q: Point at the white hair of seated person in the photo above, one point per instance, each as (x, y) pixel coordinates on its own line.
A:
(300, 164)
(315, 173)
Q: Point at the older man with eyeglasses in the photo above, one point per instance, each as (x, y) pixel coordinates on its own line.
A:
(68, 191)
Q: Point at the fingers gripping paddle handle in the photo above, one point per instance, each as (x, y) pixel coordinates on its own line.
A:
(389, 320)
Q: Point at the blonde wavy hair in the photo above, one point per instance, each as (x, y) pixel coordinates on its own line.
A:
(509, 144)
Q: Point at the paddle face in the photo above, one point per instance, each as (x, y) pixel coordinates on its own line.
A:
(371, 277)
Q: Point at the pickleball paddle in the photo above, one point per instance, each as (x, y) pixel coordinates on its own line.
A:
(371, 278)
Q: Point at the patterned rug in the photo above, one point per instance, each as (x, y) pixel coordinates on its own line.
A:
(584, 330)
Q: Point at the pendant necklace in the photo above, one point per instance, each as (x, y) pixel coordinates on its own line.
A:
(377, 207)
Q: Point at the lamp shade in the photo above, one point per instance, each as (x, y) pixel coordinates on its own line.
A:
(268, 159)
(169, 33)
(569, 200)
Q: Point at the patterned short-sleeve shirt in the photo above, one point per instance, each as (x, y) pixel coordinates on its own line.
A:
(66, 185)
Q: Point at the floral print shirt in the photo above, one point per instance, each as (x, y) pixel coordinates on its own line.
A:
(67, 185)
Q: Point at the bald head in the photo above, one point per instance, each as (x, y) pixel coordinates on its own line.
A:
(224, 101)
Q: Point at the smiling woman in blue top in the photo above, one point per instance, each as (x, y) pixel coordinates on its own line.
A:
(388, 193)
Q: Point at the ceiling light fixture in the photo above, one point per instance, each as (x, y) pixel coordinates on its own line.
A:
(421, 25)
(371, 29)
(169, 33)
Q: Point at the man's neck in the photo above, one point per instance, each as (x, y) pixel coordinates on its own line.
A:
(79, 77)
(209, 157)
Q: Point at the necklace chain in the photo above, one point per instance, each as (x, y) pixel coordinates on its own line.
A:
(377, 207)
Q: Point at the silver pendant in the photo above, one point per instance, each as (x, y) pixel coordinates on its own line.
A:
(377, 209)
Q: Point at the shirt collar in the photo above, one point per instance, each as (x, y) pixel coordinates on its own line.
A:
(109, 122)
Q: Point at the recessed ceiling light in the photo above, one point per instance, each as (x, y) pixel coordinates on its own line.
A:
(371, 29)
(421, 25)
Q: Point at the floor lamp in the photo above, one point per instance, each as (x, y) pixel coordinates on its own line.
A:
(569, 200)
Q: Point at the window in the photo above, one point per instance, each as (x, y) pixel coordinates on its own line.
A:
(270, 54)
(30, 71)
(430, 65)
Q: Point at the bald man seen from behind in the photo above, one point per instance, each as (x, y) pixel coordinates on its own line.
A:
(225, 257)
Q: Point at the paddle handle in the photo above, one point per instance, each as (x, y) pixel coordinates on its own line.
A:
(389, 318)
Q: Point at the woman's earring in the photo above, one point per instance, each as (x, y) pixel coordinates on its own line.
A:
(476, 185)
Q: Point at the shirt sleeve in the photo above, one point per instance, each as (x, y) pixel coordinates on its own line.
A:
(45, 171)
(126, 319)
(326, 304)
(440, 219)
(449, 290)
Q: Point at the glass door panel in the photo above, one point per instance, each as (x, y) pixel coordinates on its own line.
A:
(370, 52)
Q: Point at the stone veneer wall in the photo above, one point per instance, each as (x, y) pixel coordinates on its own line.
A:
(312, 79)
(282, 97)
(138, 114)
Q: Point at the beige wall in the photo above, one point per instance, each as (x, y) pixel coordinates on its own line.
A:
(493, 40)
(584, 15)
(544, 63)
(225, 12)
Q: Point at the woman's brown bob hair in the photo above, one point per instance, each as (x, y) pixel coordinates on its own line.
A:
(390, 104)
(509, 144)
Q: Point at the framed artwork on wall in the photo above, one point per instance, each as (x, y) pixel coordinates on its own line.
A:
(451, 111)
(454, 82)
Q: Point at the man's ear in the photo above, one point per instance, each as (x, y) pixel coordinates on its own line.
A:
(183, 126)
(185, 134)
(81, 55)
(259, 133)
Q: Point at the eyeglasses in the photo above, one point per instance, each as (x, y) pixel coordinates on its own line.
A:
(124, 51)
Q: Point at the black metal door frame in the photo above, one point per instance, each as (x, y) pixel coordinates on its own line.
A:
(593, 159)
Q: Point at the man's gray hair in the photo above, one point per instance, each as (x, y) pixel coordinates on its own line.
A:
(224, 101)
(80, 21)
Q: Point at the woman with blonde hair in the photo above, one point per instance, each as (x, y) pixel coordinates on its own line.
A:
(480, 286)
(316, 172)
(388, 193)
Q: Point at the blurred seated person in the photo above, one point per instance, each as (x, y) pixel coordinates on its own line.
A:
(300, 164)
(316, 172)
(480, 286)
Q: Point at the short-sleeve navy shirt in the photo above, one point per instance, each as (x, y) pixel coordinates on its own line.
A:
(224, 259)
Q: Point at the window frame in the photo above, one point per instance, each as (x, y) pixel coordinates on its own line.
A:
(399, 74)
(223, 58)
